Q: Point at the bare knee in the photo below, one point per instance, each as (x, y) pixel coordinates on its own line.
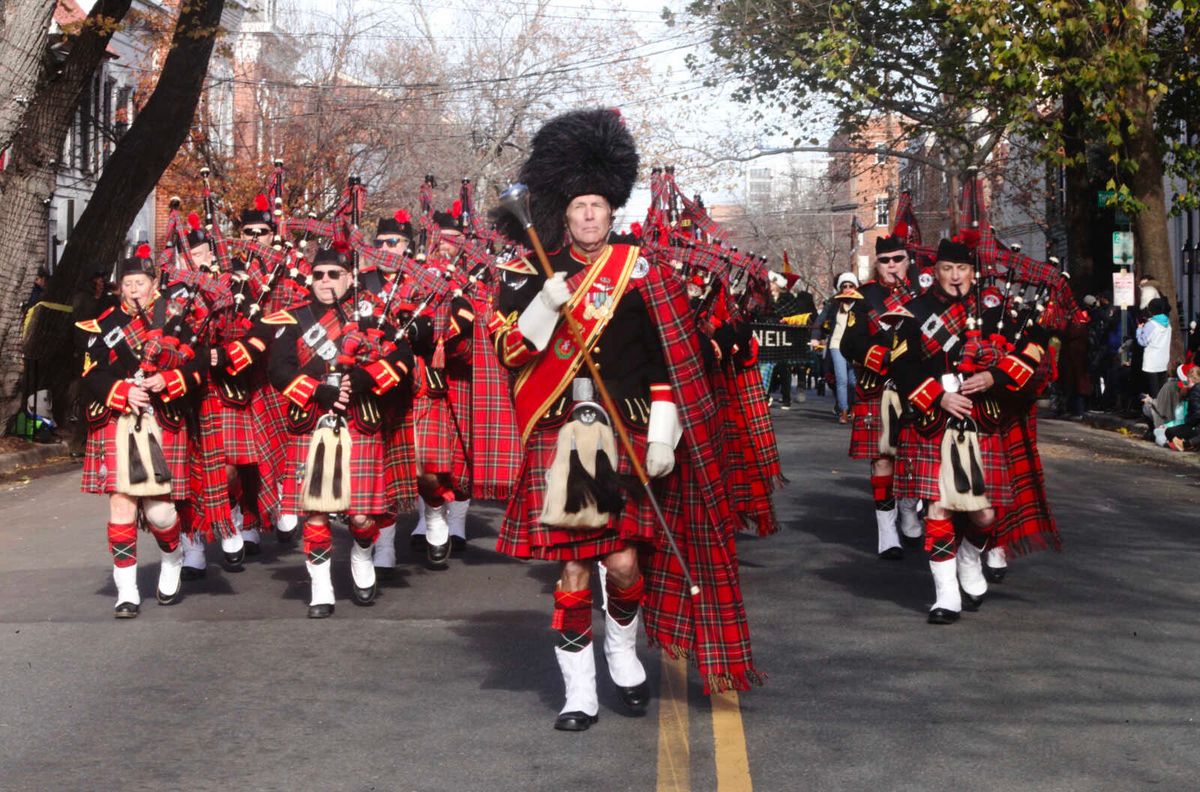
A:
(936, 512)
(576, 576)
(984, 518)
(622, 567)
(122, 509)
(160, 513)
(883, 466)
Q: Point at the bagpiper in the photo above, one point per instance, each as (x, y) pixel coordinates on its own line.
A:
(567, 504)
(136, 375)
(333, 374)
(953, 367)
(867, 342)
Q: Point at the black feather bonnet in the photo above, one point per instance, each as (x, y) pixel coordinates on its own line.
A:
(583, 152)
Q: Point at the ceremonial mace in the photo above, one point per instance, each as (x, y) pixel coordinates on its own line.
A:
(515, 200)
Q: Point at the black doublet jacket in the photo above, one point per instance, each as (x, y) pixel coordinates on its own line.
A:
(628, 353)
(924, 349)
(299, 362)
(110, 361)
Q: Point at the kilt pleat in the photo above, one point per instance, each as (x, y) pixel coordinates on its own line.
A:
(866, 429)
(236, 428)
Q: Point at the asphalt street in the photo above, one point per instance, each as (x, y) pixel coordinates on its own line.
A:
(1080, 672)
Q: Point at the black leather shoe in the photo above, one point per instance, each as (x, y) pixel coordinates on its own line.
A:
(322, 611)
(385, 573)
(286, 537)
(128, 610)
(252, 549)
(192, 573)
(363, 596)
(574, 721)
(971, 602)
(438, 555)
(892, 554)
(233, 561)
(635, 698)
(942, 616)
(911, 542)
(164, 599)
(457, 544)
(994, 574)
(417, 542)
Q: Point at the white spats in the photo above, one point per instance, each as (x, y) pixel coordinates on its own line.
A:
(997, 558)
(251, 535)
(193, 552)
(620, 649)
(232, 544)
(579, 677)
(886, 523)
(970, 569)
(236, 517)
(362, 568)
(126, 580)
(910, 519)
(456, 517)
(437, 530)
(287, 523)
(168, 572)
(385, 547)
(322, 583)
(945, 585)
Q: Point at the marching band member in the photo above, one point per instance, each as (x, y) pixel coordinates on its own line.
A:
(137, 443)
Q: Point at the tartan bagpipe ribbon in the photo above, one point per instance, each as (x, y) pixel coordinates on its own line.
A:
(996, 260)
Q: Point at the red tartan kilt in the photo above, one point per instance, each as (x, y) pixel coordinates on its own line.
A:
(522, 536)
(235, 427)
(868, 426)
(399, 461)
(438, 446)
(100, 460)
(268, 410)
(919, 460)
(367, 485)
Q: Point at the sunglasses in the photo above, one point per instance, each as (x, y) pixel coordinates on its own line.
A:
(891, 259)
(331, 274)
(387, 243)
(254, 233)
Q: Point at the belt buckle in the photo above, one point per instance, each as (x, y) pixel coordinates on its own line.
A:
(583, 390)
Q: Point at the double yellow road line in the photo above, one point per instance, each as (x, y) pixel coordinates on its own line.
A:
(729, 739)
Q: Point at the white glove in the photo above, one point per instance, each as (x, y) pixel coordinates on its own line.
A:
(540, 317)
(554, 292)
(662, 435)
(660, 459)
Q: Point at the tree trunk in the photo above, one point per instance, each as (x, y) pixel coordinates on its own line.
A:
(28, 181)
(1153, 252)
(1078, 210)
(23, 29)
(137, 163)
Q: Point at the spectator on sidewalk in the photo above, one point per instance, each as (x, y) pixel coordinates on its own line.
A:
(1185, 435)
(1154, 335)
(1073, 372)
(1104, 343)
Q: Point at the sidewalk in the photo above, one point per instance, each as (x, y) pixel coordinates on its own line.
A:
(17, 454)
(1131, 435)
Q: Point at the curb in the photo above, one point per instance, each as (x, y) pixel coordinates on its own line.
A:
(13, 461)
(1134, 441)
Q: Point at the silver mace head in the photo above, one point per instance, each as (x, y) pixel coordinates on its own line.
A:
(515, 201)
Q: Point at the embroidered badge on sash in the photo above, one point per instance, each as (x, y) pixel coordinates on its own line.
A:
(641, 268)
(925, 279)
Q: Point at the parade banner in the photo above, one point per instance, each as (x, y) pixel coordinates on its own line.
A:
(780, 342)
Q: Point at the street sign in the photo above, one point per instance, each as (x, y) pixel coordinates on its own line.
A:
(1104, 196)
(1123, 296)
(1122, 248)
